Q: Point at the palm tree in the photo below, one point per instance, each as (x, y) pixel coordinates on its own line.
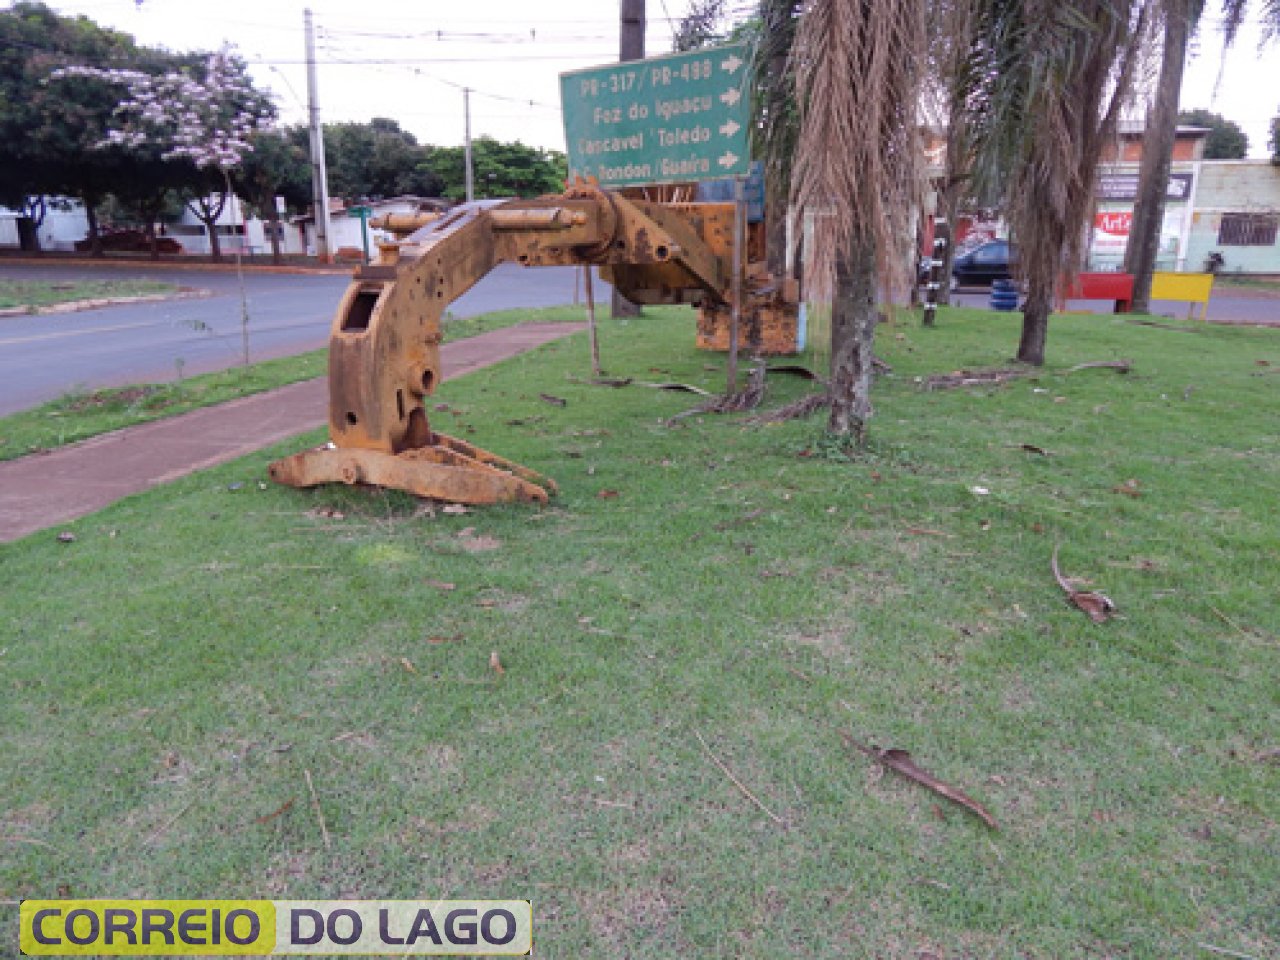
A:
(1159, 132)
(858, 68)
(1045, 83)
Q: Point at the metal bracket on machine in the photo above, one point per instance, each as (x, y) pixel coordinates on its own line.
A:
(448, 469)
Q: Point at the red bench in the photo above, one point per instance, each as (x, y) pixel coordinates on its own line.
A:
(1102, 286)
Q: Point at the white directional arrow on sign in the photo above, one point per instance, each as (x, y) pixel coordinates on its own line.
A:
(728, 160)
(730, 128)
(732, 64)
(730, 98)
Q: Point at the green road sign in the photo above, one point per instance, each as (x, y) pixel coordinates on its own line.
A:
(359, 211)
(662, 120)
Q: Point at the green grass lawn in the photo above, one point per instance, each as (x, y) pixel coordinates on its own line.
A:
(33, 294)
(169, 677)
(81, 414)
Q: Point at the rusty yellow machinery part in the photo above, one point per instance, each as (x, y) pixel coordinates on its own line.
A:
(384, 347)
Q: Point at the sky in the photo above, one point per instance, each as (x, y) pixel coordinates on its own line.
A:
(409, 59)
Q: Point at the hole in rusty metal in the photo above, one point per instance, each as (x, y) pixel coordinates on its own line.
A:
(352, 419)
(400, 403)
(620, 244)
(428, 380)
(662, 253)
(360, 310)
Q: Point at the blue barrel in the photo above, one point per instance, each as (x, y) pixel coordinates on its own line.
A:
(1004, 295)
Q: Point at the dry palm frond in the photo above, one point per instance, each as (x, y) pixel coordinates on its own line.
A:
(776, 132)
(796, 410)
(857, 168)
(748, 398)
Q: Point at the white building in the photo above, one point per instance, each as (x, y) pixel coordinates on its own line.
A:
(64, 223)
(344, 226)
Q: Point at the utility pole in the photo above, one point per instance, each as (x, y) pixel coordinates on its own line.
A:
(466, 109)
(319, 177)
(630, 47)
(631, 31)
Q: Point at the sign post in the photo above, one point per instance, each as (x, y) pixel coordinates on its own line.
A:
(735, 318)
(669, 119)
(363, 213)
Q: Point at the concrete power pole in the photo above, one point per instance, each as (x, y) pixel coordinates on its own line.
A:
(630, 47)
(319, 177)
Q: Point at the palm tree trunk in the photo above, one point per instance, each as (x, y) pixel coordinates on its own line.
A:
(1157, 154)
(853, 329)
(953, 187)
(1035, 321)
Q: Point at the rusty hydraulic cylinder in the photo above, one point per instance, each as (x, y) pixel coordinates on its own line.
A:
(544, 218)
(403, 224)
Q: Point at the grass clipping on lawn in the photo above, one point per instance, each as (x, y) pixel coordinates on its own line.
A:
(173, 673)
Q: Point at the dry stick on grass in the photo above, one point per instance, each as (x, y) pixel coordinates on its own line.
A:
(168, 824)
(315, 805)
(31, 840)
(900, 762)
(1227, 620)
(738, 783)
(278, 811)
(1123, 366)
(1224, 951)
(967, 378)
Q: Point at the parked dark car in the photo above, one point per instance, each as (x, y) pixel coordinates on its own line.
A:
(992, 260)
(129, 240)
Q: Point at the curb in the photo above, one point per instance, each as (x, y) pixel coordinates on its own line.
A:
(324, 270)
(76, 306)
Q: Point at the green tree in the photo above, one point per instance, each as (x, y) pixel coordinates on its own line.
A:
(1226, 141)
(196, 117)
(700, 27)
(48, 132)
(376, 160)
(501, 169)
(1044, 86)
(858, 72)
(276, 166)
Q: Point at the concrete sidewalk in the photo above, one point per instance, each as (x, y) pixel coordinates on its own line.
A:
(50, 488)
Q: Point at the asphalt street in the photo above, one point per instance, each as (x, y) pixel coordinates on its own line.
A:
(45, 356)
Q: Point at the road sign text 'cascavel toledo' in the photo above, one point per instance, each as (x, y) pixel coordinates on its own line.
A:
(662, 120)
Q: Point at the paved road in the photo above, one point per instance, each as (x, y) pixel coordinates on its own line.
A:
(42, 357)
(36, 492)
(1226, 305)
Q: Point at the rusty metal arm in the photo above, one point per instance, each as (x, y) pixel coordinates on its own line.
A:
(384, 352)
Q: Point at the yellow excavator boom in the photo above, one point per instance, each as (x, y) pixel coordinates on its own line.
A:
(384, 348)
